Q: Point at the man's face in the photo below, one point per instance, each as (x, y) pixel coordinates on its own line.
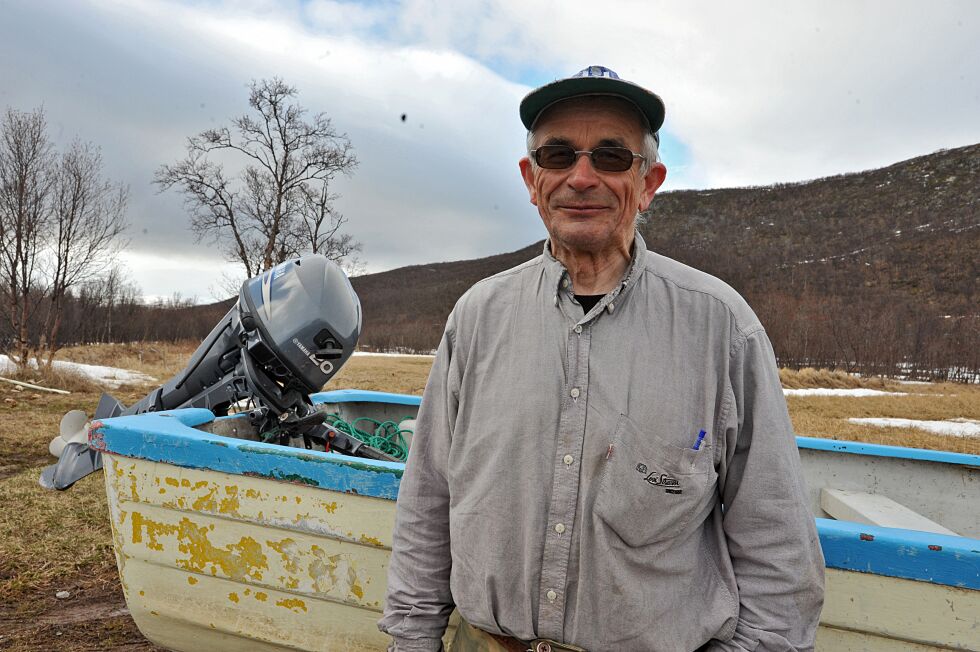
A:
(584, 209)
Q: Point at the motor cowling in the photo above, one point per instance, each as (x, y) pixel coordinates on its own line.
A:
(301, 320)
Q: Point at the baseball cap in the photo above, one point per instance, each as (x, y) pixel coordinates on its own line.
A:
(594, 80)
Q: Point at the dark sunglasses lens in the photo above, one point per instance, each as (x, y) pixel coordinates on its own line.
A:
(607, 159)
(612, 159)
(555, 157)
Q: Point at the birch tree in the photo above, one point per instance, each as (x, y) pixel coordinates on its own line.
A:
(61, 224)
(26, 157)
(280, 203)
(86, 224)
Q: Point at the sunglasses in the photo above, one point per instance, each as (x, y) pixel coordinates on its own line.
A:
(606, 159)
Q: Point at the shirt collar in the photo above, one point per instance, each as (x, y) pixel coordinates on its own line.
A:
(558, 280)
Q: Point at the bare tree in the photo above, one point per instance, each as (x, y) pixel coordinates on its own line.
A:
(25, 187)
(124, 299)
(60, 224)
(87, 223)
(320, 230)
(264, 214)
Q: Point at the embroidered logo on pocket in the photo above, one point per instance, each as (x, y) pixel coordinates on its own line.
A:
(669, 483)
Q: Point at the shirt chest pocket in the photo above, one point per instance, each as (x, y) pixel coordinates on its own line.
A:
(651, 490)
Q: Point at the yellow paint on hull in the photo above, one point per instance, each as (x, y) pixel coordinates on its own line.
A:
(214, 561)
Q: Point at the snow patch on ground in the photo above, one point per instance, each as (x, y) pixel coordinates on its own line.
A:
(393, 355)
(953, 427)
(109, 376)
(826, 391)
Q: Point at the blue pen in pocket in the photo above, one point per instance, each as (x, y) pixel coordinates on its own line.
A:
(697, 444)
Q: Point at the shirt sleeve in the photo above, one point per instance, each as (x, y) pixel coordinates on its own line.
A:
(419, 602)
(771, 534)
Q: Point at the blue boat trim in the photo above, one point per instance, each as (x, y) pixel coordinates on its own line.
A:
(170, 437)
(880, 450)
(923, 556)
(364, 396)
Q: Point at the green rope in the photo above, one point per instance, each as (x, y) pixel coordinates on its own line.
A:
(270, 436)
(387, 437)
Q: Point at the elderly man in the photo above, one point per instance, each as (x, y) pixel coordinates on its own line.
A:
(603, 459)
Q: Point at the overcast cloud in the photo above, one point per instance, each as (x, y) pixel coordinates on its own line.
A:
(756, 93)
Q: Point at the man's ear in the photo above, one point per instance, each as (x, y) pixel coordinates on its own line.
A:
(652, 180)
(527, 172)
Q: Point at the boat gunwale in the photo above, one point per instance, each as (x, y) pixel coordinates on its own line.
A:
(908, 554)
(883, 450)
(171, 437)
(364, 396)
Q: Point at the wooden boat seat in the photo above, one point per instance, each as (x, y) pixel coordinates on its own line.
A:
(875, 509)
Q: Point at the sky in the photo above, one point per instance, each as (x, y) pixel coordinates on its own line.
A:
(756, 93)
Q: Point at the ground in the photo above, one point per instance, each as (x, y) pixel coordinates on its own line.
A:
(51, 542)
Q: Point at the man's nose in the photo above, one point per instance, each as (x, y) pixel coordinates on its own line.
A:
(582, 175)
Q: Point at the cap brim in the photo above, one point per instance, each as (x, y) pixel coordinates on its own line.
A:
(536, 101)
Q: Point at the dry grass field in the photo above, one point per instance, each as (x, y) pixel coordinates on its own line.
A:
(60, 541)
(158, 359)
(402, 375)
(827, 416)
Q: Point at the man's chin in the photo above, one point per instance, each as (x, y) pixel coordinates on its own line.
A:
(583, 237)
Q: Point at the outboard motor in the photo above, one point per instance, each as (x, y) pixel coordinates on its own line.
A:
(291, 330)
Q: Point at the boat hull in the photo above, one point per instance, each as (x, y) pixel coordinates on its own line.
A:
(210, 559)
(226, 544)
(864, 612)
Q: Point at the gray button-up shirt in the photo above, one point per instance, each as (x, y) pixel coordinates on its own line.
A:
(626, 479)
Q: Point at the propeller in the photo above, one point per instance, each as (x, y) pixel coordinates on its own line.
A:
(73, 429)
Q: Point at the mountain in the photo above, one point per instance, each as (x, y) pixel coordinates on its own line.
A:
(911, 228)
(874, 270)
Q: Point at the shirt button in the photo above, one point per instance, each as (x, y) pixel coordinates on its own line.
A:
(552, 595)
(559, 528)
(568, 459)
(610, 307)
(564, 283)
(578, 329)
(574, 392)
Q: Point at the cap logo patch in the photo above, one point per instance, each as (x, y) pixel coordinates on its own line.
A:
(597, 71)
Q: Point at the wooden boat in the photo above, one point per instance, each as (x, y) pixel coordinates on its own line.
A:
(227, 544)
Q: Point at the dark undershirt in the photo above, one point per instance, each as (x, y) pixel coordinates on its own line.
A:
(588, 301)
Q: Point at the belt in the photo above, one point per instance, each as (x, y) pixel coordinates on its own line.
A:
(537, 645)
(473, 639)
(544, 645)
